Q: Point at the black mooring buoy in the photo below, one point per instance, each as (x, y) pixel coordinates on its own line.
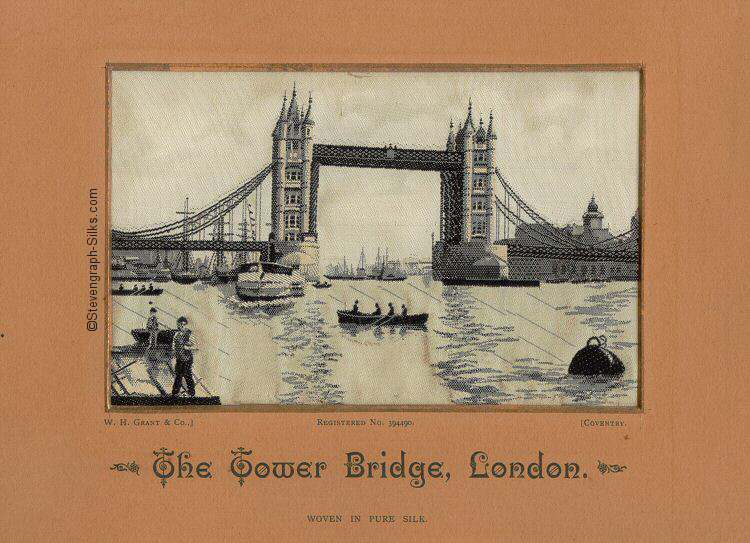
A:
(596, 359)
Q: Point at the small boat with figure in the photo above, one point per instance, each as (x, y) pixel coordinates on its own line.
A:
(322, 284)
(348, 317)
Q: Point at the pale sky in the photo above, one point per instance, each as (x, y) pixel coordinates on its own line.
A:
(561, 137)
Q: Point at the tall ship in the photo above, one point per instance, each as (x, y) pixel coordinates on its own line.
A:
(382, 270)
(386, 270)
(185, 271)
(342, 272)
(154, 271)
(391, 273)
(224, 272)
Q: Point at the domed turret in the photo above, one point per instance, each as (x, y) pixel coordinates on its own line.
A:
(593, 218)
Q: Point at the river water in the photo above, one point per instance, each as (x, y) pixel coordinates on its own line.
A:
(481, 345)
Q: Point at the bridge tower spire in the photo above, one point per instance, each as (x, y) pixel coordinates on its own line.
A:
(450, 145)
(467, 148)
(293, 114)
(307, 186)
(278, 173)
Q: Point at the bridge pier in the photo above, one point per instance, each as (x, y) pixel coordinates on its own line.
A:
(302, 255)
(475, 259)
(451, 207)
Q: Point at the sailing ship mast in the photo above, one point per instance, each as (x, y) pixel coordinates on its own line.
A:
(184, 254)
(361, 269)
(244, 233)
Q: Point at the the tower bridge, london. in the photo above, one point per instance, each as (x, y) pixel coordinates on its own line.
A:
(486, 228)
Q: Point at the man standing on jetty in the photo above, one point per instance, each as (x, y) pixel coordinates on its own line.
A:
(183, 353)
(152, 327)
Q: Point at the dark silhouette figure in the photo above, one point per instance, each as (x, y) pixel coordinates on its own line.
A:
(271, 248)
(403, 310)
(377, 311)
(183, 358)
(391, 309)
(355, 309)
(152, 326)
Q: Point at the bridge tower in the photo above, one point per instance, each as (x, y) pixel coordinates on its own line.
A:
(467, 211)
(292, 219)
(466, 201)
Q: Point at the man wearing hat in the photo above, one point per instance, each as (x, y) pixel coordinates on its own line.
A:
(183, 353)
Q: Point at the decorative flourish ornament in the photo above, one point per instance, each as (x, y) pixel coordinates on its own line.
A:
(610, 468)
(122, 466)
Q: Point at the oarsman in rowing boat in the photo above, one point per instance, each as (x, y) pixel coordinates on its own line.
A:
(403, 310)
(355, 309)
(391, 309)
(377, 309)
(183, 368)
(152, 327)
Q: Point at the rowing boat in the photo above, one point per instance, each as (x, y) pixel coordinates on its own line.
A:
(136, 292)
(347, 317)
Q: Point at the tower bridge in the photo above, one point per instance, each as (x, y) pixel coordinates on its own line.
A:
(474, 198)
